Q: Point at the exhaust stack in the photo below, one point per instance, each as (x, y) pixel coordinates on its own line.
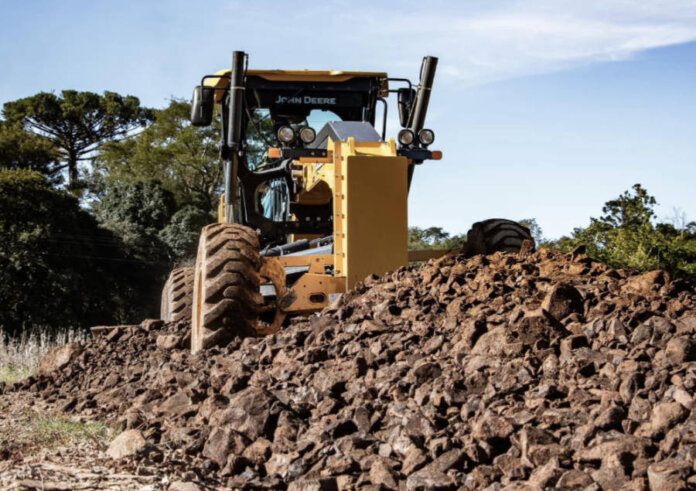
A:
(234, 132)
(420, 105)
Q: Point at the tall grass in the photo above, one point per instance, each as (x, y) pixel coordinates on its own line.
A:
(20, 355)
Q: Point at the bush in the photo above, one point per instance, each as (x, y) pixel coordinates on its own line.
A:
(58, 268)
(627, 236)
(182, 233)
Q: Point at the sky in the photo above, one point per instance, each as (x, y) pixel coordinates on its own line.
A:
(543, 109)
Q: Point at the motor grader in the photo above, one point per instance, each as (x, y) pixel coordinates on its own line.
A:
(323, 207)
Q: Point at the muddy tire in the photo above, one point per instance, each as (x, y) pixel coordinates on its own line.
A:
(496, 234)
(226, 298)
(177, 296)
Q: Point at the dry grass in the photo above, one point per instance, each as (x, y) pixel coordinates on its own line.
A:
(47, 429)
(28, 427)
(19, 356)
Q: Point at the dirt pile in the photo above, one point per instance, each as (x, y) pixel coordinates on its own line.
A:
(531, 372)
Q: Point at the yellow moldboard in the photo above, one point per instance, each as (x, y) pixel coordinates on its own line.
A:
(375, 216)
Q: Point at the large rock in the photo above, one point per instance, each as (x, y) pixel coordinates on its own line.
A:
(180, 404)
(249, 413)
(663, 417)
(381, 475)
(58, 358)
(127, 444)
(647, 283)
(222, 442)
(429, 479)
(563, 300)
(669, 475)
(168, 341)
(183, 486)
(680, 350)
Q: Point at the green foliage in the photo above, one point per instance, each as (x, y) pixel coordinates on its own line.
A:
(626, 236)
(157, 191)
(182, 157)
(144, 215)
(22, 149)
(433, 238)
(136, 212)
(182, 233)
(78, 123)
(58, 268)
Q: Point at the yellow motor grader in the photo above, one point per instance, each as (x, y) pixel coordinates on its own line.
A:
(324, 206)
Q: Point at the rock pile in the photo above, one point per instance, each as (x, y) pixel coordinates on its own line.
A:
(526, 372)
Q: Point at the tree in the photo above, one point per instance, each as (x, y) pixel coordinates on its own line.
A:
(182, 233)
(433, 238)
(21, 149)
(182, 157)
(78, 123)
(626, 236)
(137, 212)
(58, 268)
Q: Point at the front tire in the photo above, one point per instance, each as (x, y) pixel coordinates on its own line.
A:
(497, 234)
(226, 298)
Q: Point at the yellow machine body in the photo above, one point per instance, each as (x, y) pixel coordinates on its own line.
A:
(367, 183)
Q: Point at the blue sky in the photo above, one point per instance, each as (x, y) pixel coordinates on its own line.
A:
(542, 108)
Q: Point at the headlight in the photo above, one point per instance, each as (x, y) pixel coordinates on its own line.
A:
(307, 134)
(286, 134)
(426, 137)
(406, 137)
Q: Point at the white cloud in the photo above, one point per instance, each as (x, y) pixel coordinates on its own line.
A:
(495, 41)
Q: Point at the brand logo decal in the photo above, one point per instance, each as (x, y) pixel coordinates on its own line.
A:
(326, 101)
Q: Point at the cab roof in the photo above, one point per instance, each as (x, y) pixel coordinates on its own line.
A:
(296, 76)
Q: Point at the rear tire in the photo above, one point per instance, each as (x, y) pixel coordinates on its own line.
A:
(177, 296)
(497, 234)
(226, 298)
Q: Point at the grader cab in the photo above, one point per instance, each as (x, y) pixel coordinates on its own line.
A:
(323, 207)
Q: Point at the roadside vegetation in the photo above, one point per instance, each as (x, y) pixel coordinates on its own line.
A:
(20, 355)
(24, 431)
(46, 429)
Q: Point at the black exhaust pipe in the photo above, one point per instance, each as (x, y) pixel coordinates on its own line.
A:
(234, 132)
(420, 105)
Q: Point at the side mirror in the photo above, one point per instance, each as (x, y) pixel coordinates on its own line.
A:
(202, 106)
(405, 97)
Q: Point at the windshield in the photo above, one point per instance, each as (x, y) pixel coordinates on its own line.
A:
(317, 118)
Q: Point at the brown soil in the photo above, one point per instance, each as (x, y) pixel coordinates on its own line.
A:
(526, 372)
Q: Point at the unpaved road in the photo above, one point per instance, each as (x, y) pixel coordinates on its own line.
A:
(40, 449)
